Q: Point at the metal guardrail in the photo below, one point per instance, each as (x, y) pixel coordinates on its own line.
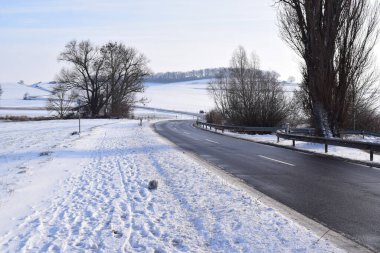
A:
(301, 134)
(360, 132)
(311, 131)
(371, 147)
(240, 129)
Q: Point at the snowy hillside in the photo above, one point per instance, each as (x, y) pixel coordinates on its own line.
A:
(13, 95)
(190, 96)
(12, 101)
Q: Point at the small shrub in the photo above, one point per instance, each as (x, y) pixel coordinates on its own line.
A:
(214, 117)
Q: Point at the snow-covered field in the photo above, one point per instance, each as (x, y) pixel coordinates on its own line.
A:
(191, 96)
(315, 147)
(88, 193)
(13, 97)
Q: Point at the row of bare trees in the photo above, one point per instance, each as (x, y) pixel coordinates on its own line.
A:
(335, 40)
(105, 79)
(246, 95)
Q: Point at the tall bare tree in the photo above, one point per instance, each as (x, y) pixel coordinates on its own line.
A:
(85, 74)
(125, 70)
(335, 39)
(245, 95)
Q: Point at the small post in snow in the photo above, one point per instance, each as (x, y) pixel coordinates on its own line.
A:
(79, 113)
(140, 122)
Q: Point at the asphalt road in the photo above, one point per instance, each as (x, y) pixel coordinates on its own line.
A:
(343, 196)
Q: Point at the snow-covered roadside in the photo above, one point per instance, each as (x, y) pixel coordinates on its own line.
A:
(313, 147)
(105, 205)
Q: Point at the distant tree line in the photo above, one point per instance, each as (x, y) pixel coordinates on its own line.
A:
(170, 77)
(104, 79)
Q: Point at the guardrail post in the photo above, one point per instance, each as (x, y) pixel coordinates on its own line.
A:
(287, 126)
(326, 148)
(222, 130)
(278, 139)
(371, 155)
(294, 143)
(363, 134)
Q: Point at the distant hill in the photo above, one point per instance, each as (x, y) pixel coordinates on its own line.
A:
(173, 77)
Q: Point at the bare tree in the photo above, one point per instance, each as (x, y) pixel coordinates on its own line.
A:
(106, 77)
(248, 96)
(125, 70)
(62, 100)
(335, 39)
(85, 74)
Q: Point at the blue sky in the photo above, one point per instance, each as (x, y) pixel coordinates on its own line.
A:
(176, 35)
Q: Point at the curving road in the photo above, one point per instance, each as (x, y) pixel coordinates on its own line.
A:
(343, 196)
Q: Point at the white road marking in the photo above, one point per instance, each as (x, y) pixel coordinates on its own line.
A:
(274, 160)
(212, 141)
(186, 133)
